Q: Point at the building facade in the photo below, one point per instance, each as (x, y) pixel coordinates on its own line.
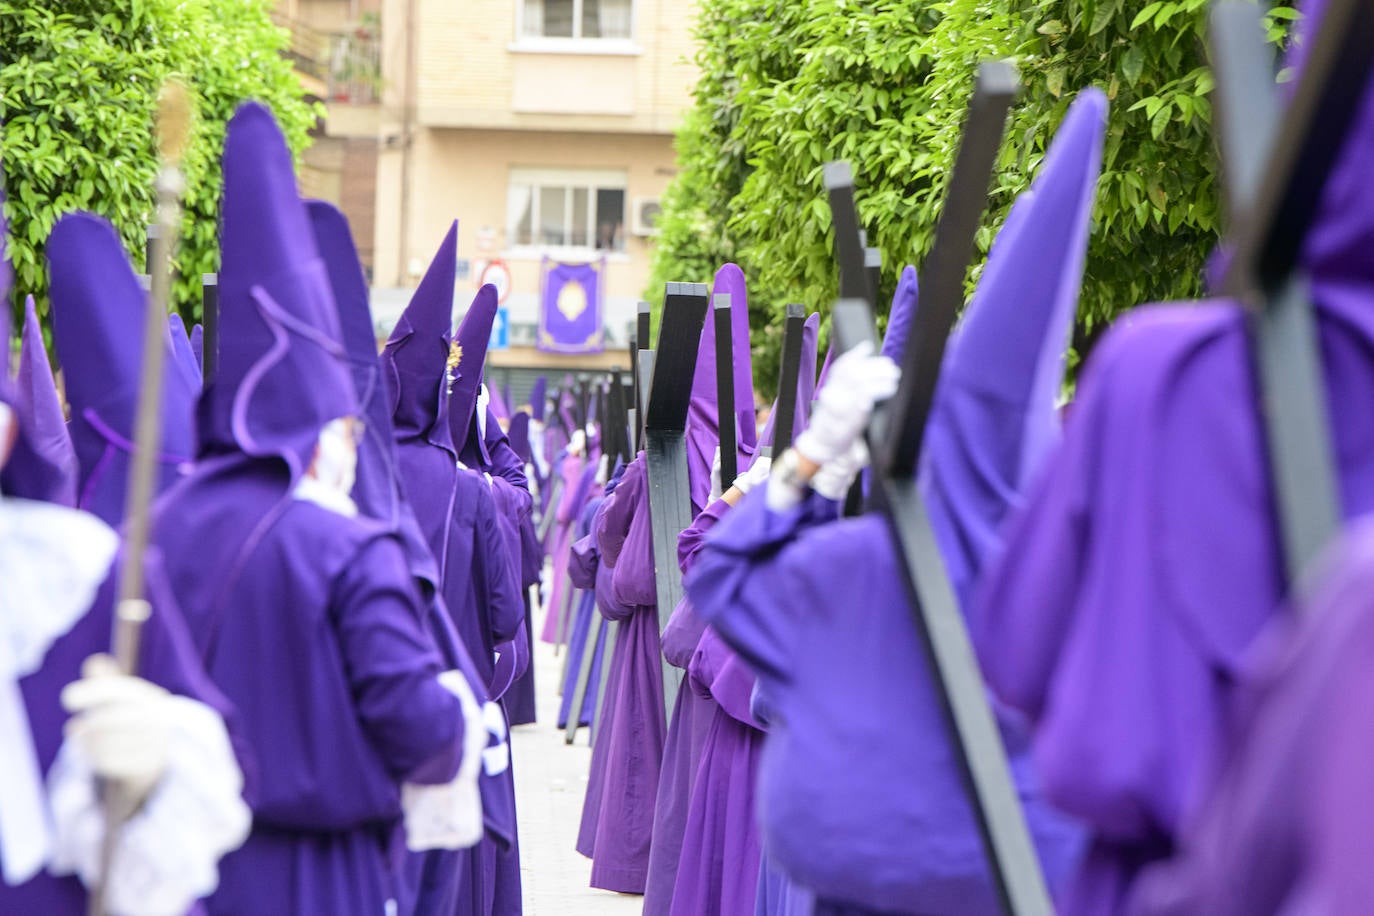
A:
(545, 127)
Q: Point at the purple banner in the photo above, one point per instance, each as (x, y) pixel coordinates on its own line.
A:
(570, 307)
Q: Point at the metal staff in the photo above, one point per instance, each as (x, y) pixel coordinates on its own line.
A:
(132, 610)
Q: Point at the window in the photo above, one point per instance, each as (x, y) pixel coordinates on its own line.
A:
(567, 209)
(576, 19)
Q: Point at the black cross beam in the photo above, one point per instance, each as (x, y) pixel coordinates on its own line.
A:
(726, 418)
(584, 400)
(1274, 184)
(793, 329)
(895, 441)
(665, 424)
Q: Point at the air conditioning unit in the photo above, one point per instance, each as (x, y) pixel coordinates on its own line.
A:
(644, 215)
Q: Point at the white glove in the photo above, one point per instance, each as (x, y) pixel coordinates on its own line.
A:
(449, 816)
(835, 477)
(496, 758)
(578, 443)
(716, 489)
(757, 474)
(857, 381)
(121, 723)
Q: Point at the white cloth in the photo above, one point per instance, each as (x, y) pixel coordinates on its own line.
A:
(483, 399)
(716, 490)
(496, 758)
(53, 562)
(835, 477)
(168, 852)
(6, 428)
(120, 723)
(449, 816)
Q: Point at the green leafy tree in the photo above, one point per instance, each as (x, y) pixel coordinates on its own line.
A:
(787, 86)
(79, 81)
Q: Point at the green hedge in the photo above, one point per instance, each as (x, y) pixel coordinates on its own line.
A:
(787, 85)
(78, 90)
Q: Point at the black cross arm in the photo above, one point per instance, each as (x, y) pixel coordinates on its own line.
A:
(670, 389)
(725, 388)
(849, 238)
(942, 281)
(209, 327)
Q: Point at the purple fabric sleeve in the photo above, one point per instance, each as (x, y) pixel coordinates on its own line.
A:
(414, 722)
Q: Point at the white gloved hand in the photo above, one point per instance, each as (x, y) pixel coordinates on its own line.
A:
(121, 723)
(496, 758)
(578, 443)
(857, 381)
(449, 816)
(716, 490)
(757, 474)
(835, 477)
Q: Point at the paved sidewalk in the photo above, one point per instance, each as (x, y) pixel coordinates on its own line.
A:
(550, 781)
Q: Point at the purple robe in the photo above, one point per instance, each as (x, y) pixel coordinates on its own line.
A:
(183, 355)
(692, 714)
(718, 871)
(198, 347)
(634, 728)
(1285, 827)
(1146, 561)
(43, 464)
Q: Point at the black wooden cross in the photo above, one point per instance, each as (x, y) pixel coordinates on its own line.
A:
(895, 440)
(726, 419)
(1274, 183)
(209, 328)
(665, 424)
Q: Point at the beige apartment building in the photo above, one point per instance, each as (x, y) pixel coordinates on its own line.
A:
(545, 127)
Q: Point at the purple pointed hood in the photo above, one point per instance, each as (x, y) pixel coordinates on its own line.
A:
(182, 350)
(416, 355)
(198, 348)
(474, 332)
(703, 421)
(902, 314)
(98, 309)
(537, 398)
(282, 373)
(7, 390)
(1011, 343)
(376, 490)
(43, 465)
(499, 407)
(520, 435)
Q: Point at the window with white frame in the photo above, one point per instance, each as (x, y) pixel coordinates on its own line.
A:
(566, 209)
(577, 19)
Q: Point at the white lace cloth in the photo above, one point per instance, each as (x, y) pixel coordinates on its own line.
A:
(52, 563)
(168, 852)
(449, 816)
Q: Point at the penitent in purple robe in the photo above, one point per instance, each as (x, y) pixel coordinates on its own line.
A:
(633, 730)
(779, 588)
(310, 623)
(1147, 561)
(98, 330)
(43, 463)
(1285, 826)
(694, 710)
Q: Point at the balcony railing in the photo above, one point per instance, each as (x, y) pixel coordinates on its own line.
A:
(355, 68)
(348, 63)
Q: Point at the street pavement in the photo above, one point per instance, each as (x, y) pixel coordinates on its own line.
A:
(550, 782)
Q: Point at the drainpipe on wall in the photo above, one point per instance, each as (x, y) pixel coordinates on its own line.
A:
(407, 143)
